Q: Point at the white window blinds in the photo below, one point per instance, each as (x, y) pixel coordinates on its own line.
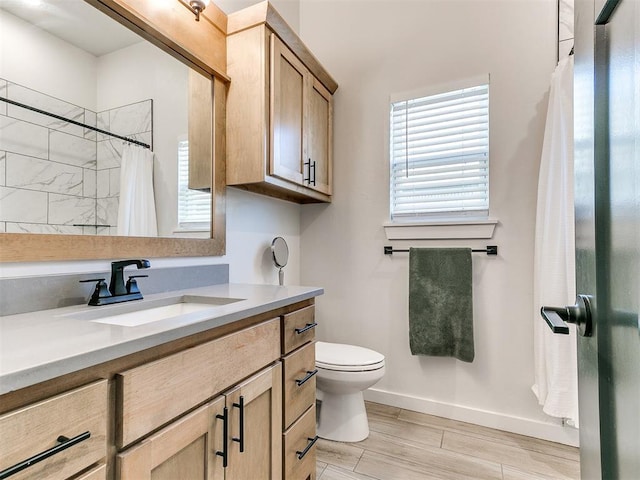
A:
(439, 146)
(194, 206)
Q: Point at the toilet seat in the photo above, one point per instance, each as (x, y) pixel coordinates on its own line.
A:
(347, 358)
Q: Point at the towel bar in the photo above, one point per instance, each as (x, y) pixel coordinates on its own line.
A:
(490, 250)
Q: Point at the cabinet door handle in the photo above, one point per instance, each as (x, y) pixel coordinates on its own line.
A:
(306, 177)
(312, 180)
(225, 433)
(311, 443)
(308, 326)
(310, 373)
(63, 444)
(240, 439)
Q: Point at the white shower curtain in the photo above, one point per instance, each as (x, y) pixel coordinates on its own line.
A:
(137, 207)
(556, 378)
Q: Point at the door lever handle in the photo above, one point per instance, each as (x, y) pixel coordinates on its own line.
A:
(579, 314)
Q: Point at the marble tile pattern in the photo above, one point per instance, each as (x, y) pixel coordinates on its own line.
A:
(66, 173)
(17, 205)
(408, 445)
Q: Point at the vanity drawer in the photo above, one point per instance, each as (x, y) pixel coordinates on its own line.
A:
(34, 429)
(299, 441)
(155, 393)
(298, 328)
(299, 382)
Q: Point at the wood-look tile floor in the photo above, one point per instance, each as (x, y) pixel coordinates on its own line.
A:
(405, 445)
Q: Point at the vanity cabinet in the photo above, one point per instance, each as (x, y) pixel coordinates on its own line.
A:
(279, 110)
(178, 409)
(243, 423)
(233, 437)
(69, 430)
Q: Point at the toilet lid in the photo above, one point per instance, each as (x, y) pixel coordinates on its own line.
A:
(338, 356)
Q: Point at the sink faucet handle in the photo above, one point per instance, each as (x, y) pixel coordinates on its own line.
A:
(92, 280)
(101, 291)
(132, 284)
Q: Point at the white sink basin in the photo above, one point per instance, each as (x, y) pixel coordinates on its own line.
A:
(133, 314)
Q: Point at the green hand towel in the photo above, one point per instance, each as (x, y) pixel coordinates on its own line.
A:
(441, 302)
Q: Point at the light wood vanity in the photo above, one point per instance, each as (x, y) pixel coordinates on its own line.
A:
(233, 402)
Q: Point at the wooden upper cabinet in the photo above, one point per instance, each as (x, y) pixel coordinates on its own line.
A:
(288, 94)
(279, 110)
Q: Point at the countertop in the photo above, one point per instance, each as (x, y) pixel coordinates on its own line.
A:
(39, 346)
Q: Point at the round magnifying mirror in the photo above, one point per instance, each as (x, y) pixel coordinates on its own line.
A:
(280, 252)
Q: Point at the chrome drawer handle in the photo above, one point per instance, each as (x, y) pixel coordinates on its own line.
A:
(310, 373)
(311, 443)
(308, 326)
(64, 443)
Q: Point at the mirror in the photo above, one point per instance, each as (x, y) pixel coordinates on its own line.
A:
(280, 252)
(70, 59)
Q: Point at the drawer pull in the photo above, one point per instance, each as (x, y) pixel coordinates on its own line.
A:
(310, 373)
(311, 443)
(308, 326)
(63, 444)
(225, 432)
(240, 439)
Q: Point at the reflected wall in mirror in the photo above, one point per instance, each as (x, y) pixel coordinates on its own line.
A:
(67, 58)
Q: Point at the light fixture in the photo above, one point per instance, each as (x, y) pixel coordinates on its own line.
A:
(198, 6)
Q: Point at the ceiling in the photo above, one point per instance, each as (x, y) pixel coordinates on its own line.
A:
(75, 22)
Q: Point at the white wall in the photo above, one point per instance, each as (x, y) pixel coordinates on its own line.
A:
(373, 49)
(33, 58)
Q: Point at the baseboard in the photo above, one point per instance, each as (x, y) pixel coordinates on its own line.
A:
(554, 432)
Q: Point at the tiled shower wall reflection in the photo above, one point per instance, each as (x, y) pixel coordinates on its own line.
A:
(56, 177)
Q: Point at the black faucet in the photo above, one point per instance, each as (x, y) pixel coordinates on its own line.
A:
(117, 291)
(117, 286)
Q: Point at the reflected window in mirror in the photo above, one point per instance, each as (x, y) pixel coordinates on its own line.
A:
(194, 206)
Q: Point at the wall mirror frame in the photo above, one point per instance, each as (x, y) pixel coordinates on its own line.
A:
(202, 46)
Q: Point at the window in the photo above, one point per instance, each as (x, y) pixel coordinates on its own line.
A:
(194, 206)
(439, 149)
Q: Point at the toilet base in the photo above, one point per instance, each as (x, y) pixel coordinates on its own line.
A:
(343, 417)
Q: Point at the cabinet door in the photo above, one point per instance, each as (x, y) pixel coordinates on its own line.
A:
(288, 91)
(319, 133)
(255, 416)
(186, 449)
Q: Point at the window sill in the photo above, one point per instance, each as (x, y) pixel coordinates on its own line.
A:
(459, 229)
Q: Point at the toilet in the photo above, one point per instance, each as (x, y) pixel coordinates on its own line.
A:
(344, 372)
